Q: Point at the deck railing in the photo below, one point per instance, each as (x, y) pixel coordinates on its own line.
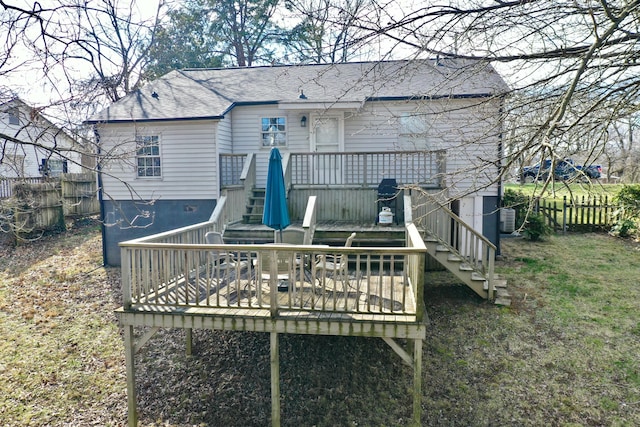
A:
(231, 166)
(424, 168)
(177, 270)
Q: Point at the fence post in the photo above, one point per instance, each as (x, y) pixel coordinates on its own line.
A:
(564, 215)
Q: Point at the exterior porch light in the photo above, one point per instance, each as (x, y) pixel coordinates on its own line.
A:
(303, 122)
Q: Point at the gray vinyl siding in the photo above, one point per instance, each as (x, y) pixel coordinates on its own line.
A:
(224, 137)
(188, 161)
(247, 139)
(469, 129)
(189, 152)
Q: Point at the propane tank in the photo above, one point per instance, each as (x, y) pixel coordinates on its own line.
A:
(385, 217)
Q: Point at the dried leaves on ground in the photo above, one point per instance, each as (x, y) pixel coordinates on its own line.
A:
(565, 353)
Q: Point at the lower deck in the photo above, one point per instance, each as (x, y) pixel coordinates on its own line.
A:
(177, 280)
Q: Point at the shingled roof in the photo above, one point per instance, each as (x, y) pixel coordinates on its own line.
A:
(210, 93)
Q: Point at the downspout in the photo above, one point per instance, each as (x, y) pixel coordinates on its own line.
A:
(100, 194)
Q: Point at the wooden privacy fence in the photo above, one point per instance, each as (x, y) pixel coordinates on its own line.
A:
(79, 193)
(579, 214)
(35, 207)
(6, 184)
(36, 204)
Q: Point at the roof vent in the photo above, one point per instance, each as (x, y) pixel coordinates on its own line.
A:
(302, 95)
(155, 95)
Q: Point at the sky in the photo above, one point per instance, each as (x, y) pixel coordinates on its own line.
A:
(31, 83)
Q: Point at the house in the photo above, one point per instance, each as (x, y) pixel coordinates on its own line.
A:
(33, 146)
(188, 156)
(168, 140)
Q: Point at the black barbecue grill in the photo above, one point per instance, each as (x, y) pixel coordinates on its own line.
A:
(388, 196)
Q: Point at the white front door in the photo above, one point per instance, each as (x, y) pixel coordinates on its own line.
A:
(327, 136)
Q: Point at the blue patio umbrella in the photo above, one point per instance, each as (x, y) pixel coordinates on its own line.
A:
(276, 213)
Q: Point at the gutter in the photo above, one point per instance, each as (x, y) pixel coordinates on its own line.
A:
(167, 119)
(430, 97)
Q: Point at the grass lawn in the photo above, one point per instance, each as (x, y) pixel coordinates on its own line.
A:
(566, 353)
(558, 190)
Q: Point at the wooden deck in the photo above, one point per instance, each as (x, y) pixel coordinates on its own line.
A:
(175, 280)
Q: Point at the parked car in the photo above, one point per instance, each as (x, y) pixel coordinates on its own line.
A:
(564, 170)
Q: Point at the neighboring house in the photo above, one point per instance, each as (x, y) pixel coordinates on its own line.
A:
(27, 150)
(166, 138)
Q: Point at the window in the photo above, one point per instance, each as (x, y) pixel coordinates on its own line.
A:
(274, 131)
(148, 156)
(413, 131)
(57, 167)
(53, 167)
(14, 118)
(413, 124)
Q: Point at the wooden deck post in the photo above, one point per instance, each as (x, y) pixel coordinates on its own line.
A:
(129, 353)
(417, 381)
(189, 341)
(275, 380)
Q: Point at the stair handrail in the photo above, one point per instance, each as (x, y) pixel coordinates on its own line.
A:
(248, 174)
(462, 240)
(219, 215)
(286, 171)
(309, 222)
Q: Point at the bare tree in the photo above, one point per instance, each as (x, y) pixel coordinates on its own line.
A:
(113, 43)
(76, 56)
(622, 153)
(574, 65)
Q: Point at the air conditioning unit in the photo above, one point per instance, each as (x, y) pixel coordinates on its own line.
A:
(507, 220)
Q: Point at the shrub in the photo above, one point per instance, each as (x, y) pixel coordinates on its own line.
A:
(628, 213)
(536, 227)
(629, 199)
(624, 228)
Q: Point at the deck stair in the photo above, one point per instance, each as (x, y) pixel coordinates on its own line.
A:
(455, 263)
(255, 207)
(464, 252)
(335, 233)
(248, 234)
(326, 233)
